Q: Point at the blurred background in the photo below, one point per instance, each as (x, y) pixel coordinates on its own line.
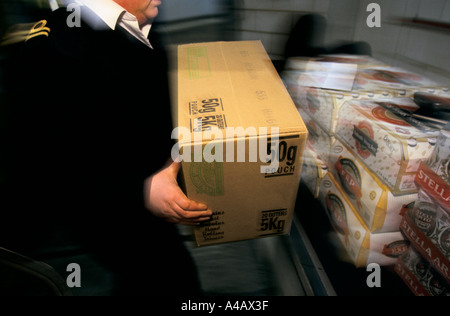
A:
(414, 34)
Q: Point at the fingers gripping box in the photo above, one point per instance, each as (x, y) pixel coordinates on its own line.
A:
(388, 139)
(241, 139)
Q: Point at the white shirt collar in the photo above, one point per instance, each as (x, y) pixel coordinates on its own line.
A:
(113, 14)
(107, 10)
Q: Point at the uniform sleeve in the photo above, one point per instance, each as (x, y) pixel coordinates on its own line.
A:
(39, 155)
(32, 187)
(85, 132)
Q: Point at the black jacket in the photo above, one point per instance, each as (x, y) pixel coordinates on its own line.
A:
(88, 119)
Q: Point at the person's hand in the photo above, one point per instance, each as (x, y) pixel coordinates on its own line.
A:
(164, 199)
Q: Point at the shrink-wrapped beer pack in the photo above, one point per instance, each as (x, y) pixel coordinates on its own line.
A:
(427, 225)
(321, 88)
(359, 244)
(433, 220)
(318, 139)
(420, 276)
(316, 63)
(388, 139)
(371, 198)
(439, 162)
(400, 82)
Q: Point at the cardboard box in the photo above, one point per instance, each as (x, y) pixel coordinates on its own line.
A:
(374, 202)
(361, 247)
(221, 87)
(388, 139)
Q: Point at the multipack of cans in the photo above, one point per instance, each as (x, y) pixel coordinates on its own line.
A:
(371, 126)
(427, 224)
(419, 275)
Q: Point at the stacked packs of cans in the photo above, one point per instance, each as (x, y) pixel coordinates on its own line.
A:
(419, 275)
(372, 146)
(427, 225)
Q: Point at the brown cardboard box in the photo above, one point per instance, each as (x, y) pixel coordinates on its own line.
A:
(221, 87)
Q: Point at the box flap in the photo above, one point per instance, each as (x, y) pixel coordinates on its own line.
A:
(231, 85)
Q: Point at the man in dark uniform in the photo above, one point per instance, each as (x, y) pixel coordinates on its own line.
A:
(88, 144)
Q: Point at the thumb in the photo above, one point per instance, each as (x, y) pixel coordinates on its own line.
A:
(174, 168)
(187, 204)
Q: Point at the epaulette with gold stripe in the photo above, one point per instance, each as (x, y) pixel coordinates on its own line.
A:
(24, 32)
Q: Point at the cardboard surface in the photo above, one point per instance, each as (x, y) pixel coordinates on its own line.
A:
(229, 97)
